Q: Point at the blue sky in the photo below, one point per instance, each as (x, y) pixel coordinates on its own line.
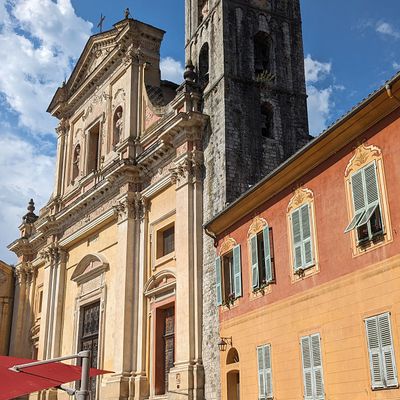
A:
(351, 48)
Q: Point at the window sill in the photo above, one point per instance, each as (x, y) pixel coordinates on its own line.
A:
(377, 241)
(229, 306)
(305, 273)
(256, 293)
(164, 259)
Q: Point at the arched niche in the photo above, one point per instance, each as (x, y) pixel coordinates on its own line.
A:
(232, 357)
(118, 125)
(76, 162)
(90, 267)
(204, 65)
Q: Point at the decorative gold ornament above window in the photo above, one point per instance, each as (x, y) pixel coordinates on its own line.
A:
(257, 225)
(227, 245)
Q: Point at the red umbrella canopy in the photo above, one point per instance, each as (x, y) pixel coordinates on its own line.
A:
(33, 379)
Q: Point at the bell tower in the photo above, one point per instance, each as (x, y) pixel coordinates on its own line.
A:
(249, 60)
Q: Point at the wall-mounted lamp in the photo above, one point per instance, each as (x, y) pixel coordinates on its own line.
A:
(223, 343)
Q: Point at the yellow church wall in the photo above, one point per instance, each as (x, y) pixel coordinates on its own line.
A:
(161, 215)
(103, 241)
(337, 311)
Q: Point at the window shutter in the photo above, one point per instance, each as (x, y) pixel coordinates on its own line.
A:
(358, 192)
(237, 271)
(268, 371)
(306, 231)
(297, 239)
(218, 284)
(371, 184)
(388, 357)
(254, 262)
(307, 367)
(317, 367)
(261, 382)
(371, 325)
(267, 255)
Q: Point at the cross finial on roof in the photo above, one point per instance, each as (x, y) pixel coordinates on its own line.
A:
(100, 24)
(127, 13)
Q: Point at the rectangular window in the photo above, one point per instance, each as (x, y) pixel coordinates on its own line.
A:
(262, 271)
(264, 372)
(228, 270)
(312, 367)
(302, 242)
(381, 353)
(166, 241)
(367, 219)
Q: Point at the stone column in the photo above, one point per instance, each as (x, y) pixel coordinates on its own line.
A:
(61, 171)
(17, 347)
(141, 378)
(125, 293)
(186, 378)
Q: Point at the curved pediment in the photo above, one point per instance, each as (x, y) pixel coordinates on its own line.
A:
(89, 267)
(162, 282)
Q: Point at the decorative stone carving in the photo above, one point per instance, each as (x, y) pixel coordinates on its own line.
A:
(227, 245)
(363, 154)
(90, 267)
(256, 226)
(301, 196)
(133, 54)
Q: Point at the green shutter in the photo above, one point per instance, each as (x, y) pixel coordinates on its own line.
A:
(375, 361)
(317, 367)
(297, 240)
(254, 262)
(267, 256)
(268, 371)
(307, 367)
(371, 184)
(237, 271)
(388, 358)
(218, 285)
(261, 379)
(357, 186)
(307, 239)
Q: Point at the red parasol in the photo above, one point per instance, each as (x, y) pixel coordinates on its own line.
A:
(35, 378)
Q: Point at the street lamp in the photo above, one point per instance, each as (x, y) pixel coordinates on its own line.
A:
(223, 343)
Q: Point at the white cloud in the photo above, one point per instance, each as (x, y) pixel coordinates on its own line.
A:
(38, 41)
(396, 65)
(171, 70)
(316, 70)
(319, 101)
(25, 174)
(387, 29)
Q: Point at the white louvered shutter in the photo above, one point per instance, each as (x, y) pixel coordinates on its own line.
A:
(307, 367)
(268, 371)
(388, 358)
(261, 380)
(371, 326)
(318, 386)
(297, 240)
(306, 231)
(269, 276)
(237, 271)
(254, 262)
(371, 184)
(218, 284)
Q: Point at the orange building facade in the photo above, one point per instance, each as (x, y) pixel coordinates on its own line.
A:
(308, 267)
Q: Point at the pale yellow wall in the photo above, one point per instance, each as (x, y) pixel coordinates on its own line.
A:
(161, 214)
(337, 311)
(103, 241)
(6, 294)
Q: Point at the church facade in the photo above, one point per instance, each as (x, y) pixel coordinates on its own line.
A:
(117, 261)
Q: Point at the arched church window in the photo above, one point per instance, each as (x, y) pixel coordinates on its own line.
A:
(267, 121)
(204, 65)
(262, 53)
(76, 161)
(118, 126)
